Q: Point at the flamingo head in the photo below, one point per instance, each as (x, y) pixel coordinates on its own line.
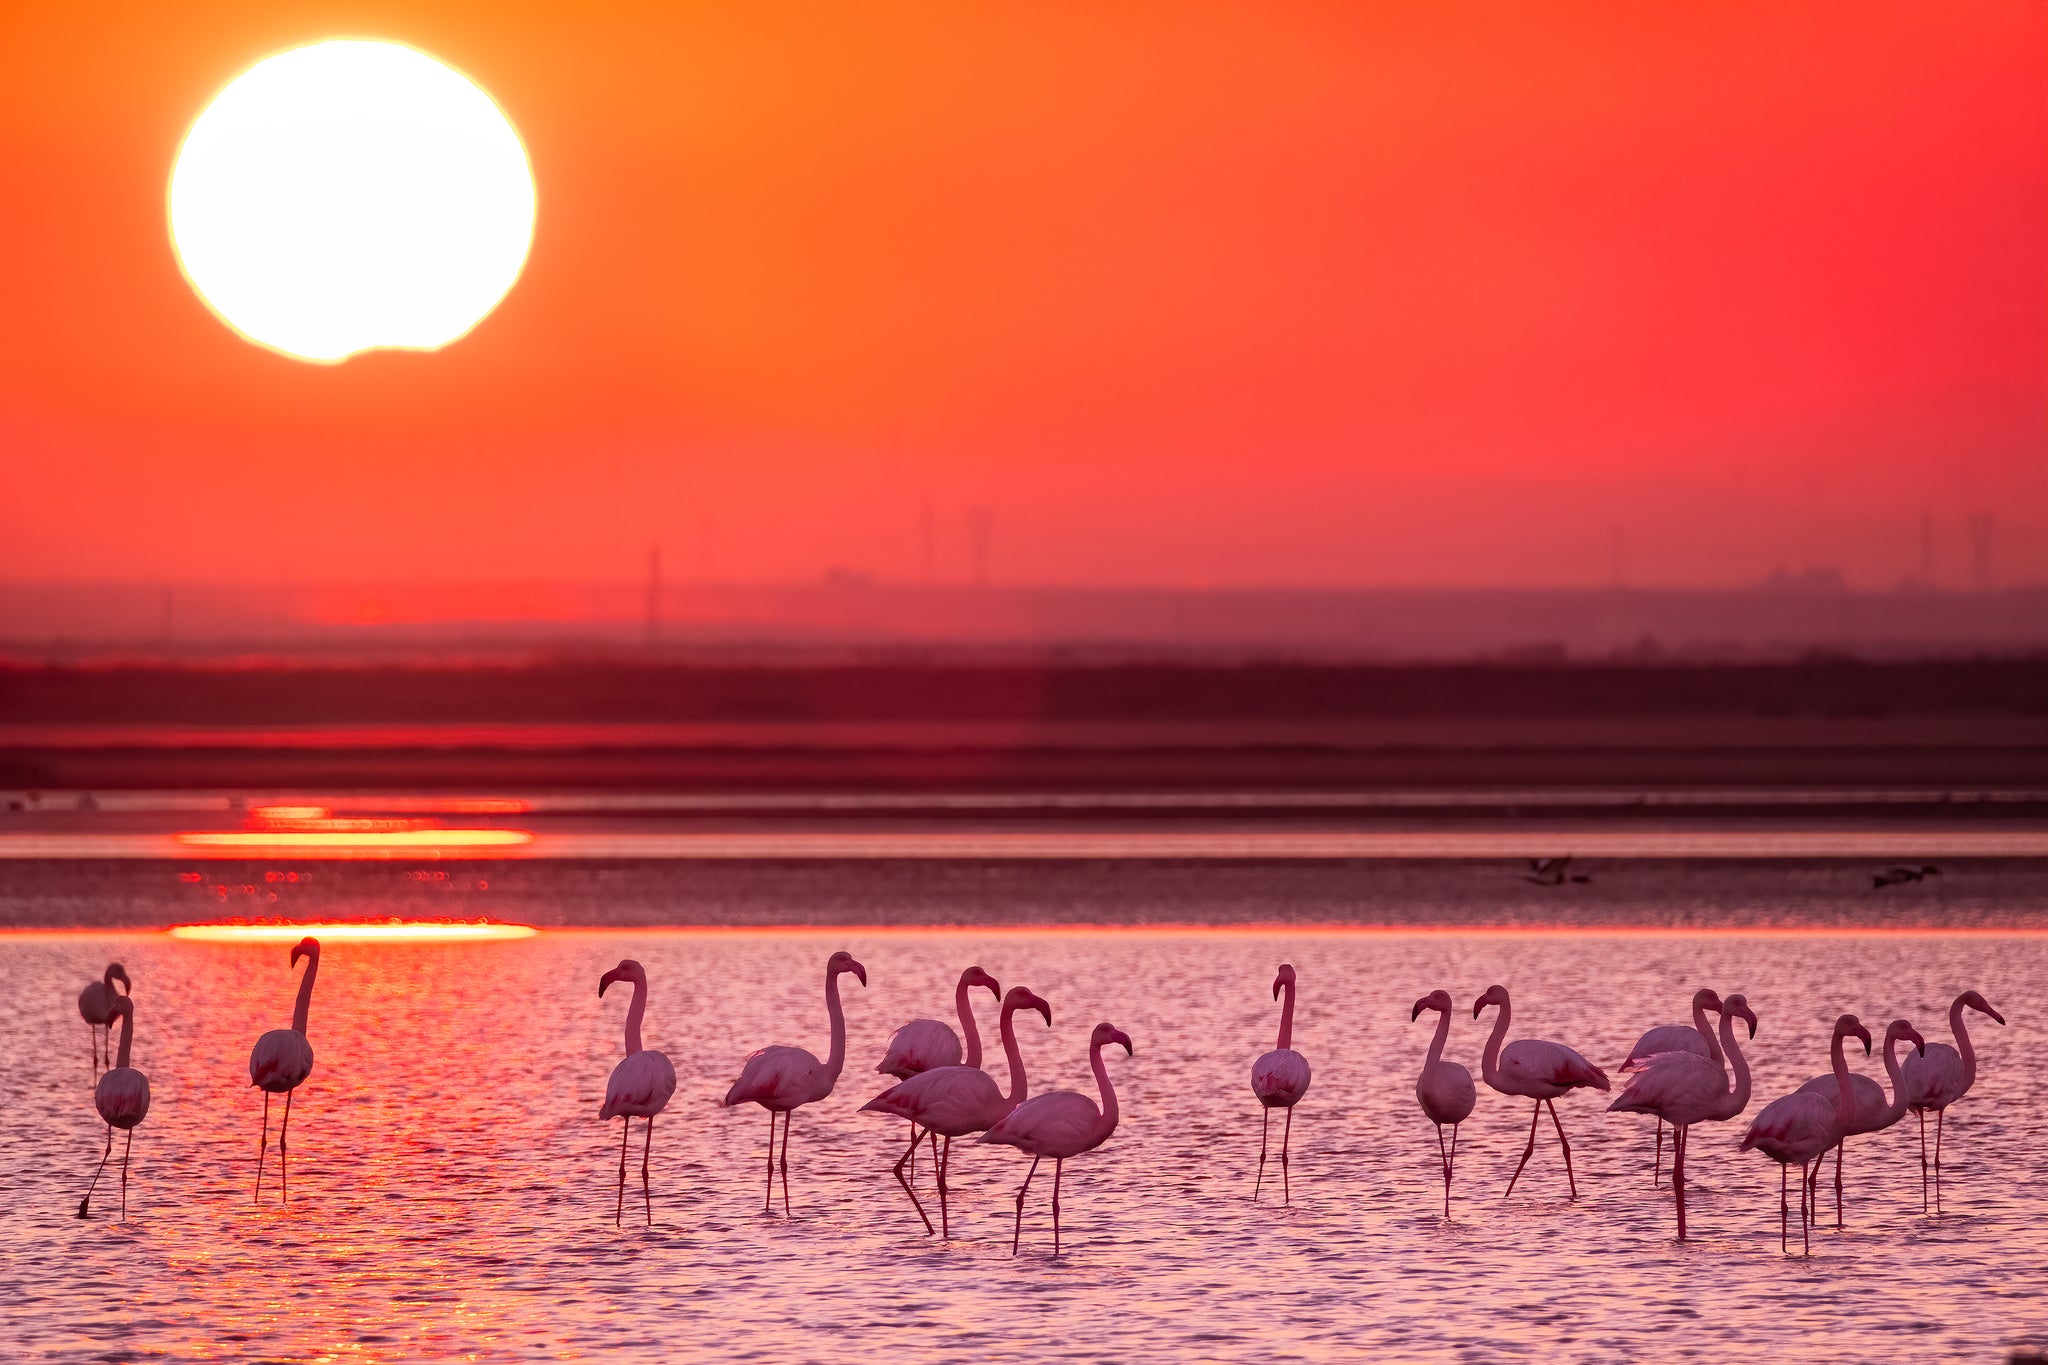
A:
(627, 970)
(843, 962)
(1285, 979)
(122, 1007)
(1704, 999)
(1022, 999)
(1736, 1007)
(116, 972)
(1105, 1034)
(1902, 1028)
(975, 976)
(306, 947)
(1435, 1000)
(1981, 1005)
(1495, 995)
(1849, 1026)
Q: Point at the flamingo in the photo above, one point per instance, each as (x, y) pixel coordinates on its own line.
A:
(780, 1079)
(280, 1063)
(925, 1044)
(96, 1006)
(1279, 1079)
(954, 1101)
(1060, 1124)
(1697, 1037)
(1535, 1070)
(1874, 1113)
(122, 1097)
(1444, 1089)
(640, 1085)
(1683, 1088)
(1939, 1076)
(1798, 1127)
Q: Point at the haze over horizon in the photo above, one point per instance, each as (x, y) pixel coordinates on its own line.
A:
(1314, 296)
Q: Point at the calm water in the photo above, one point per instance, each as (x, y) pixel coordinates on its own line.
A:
(452, 1186)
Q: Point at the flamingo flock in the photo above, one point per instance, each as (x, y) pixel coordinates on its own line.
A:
(1682, 1075)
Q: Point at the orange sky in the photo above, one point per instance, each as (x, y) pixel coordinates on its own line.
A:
(1189, 294)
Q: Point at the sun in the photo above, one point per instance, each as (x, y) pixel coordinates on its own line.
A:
(349, 196)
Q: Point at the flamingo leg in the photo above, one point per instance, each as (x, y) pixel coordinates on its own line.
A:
(646, 1151)
(785, 1161)
(1059, 1166)
(1678, 1136)
(932, 1139)
(619, 1209)
(768, 1195)
(1018, 1232)
(1443, 1163)
(1265, 1127)
(1657, 1157)
(1563, 1142)
(1839, 1148)
(914, 1136)
(93, 1031)
(263, 1147)
(1921, 1114)
(284, 1175)
(945, 1216)
(1939, 1115)
(1450, 1170)
(84, 1205)
(908, 1188)
(1805, 1214)
(126, 1144)
(1527, 1151)
(1784, 1212)
(1286, 1136)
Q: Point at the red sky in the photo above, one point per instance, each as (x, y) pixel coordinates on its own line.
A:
(1189, 294)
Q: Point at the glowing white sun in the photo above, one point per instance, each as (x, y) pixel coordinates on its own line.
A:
(351, 195)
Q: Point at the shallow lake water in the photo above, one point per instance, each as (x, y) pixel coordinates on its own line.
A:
(453, 1190)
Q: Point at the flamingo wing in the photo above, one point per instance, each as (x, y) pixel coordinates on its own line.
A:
(1061, 1123)
(640, 1085)
(1280, 1078)
(122, 1097)
(1795, 1127)
(777, 1077)
(1538, 1063)
(280, 1061)
(920, 1045)
(1933, 1081)
(94, 1002)
(952, 1101)
(1681, 1087)
(1446, 1093)
(1665, 1038)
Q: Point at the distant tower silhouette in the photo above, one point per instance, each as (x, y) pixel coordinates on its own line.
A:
(981, 525)
(1927, 547)
(1981, 525)
(654, 595)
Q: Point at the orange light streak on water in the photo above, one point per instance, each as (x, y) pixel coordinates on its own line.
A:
(358, 931)
(353, 842)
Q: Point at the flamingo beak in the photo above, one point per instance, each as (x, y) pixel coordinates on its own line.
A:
(1277, 983)
(606, 980)
(1919, 1043)
(860, 972)
(1416, 1013)
(1119, 1036)
(1477, 1006)
(1750, 1016)
(120, 974)
(1994, 1013)
(1043, 1009)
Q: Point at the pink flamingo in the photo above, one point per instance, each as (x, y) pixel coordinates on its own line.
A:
(954, 1101)
(96, 1007)
(781, 1079)
(1535, 1070)
(1698, 1037)
(1279, 1079)
(122, 1097)
(640, 1085)
(1684, 1088)
(1937, 1077)
(1444, 1089)
(1799, 1127)
(925, 1044)
(280, 1063)
(1060, 1124)
(1874, 1113)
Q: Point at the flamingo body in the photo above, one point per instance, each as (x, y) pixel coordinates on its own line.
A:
(1662, 1039)
(1679, 1087)
(1871, 1111)
(952, 1101)
(280, 1061)
(1059, 1124)
(122, 1097)
(641, 1086)
(780, 1079)
(95, 1001)
(1936, 1080)
(920, 1045)
(1280, 1078)
(1794, 1129)
(1540, 1070)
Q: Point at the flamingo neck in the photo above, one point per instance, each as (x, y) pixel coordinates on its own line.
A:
(1109, 1113)
(109, 980)
(835, 1060)
(1896, 1110)
(127, 1035)
(1014, 1055)
(635, 1012)
(1436, 1044)
(305, 1000)
(1962, 1033)
(1845, 1098)
(1738, 1095)
(1286, 1018)
(967, 1028)
(1489, 1061)
(1706, 1031)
